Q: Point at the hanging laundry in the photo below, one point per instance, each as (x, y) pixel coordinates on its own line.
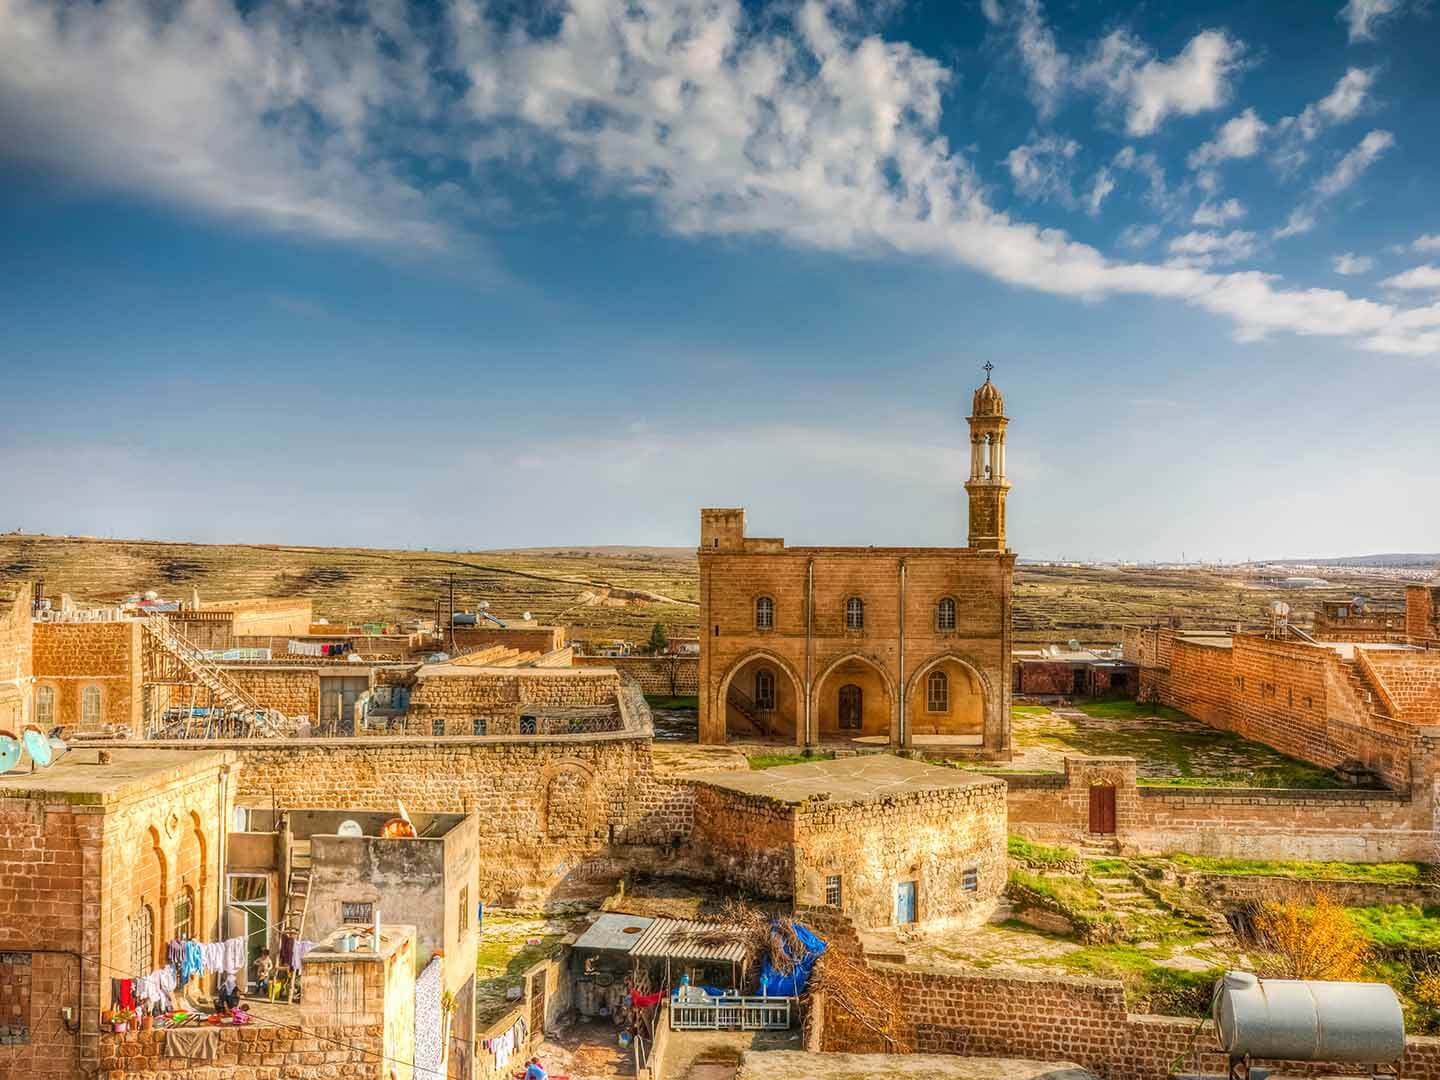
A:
(234, 954)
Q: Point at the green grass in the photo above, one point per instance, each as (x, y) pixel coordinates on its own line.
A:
(1387, 873)
(1170, 748)
(1399, 926)
(1039, 856)
(662, 701)
(1028, 710)
(1072, 894)
(771, 761)
(1149, 987)
(501, 960)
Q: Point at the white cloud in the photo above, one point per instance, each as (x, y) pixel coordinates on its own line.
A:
(1420, 277)
(1347, 263)
(1216, 215)
(1158, 193)
(812, 131)
(1361, 16)
(1100, 189)
(1042, 168)
(1353, 165)
(263, 116)
(1238, 137)
(1427, 243)
(1206, 248)
(1299, 222)
(1135, 237)
(1196, 80)
(1345, 101)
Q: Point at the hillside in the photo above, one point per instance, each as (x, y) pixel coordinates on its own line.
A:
(609, 591)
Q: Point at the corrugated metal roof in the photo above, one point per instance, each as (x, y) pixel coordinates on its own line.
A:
(684, 939)
(617, 933)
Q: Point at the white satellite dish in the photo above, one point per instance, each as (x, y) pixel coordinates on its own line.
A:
(349, 827)
(525, 617)
(484, 605)
(1280, 608)
(9, 751)
(1358, 604)
(1074, 644)
(40, 748)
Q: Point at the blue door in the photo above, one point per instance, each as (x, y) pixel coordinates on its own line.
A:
(905, 902)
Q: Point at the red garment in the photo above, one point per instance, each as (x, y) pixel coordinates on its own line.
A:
(644, 1001)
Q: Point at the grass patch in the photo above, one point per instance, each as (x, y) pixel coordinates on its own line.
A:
(1398, 926)
(661, 701)
(1070, 894)
(1039, 856)
(772, 761)
(504, 954)
(1149, 987)
(1028, 710)
(1386, 873)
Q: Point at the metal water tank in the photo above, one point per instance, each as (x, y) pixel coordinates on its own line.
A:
(1294, 1020)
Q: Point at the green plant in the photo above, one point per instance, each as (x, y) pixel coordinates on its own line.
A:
(1041, 856)
(1314, 941)
(659, 639)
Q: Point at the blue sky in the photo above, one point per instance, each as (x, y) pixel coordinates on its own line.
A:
(481, 275)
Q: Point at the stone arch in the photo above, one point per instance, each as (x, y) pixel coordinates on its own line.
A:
(194, 845)
(957, 718)
(154, 886)
(878, 718)
(789, 708)
(569, 808)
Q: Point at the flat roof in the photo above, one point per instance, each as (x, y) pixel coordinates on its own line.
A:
(430, 671)
(687, 939)
(613, 931)
(78, 776)
(849, 779)
(1347, 648)
(802, 1065)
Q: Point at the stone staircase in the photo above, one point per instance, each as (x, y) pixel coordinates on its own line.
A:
(1365, 691)
(225, 693)
(742, 703)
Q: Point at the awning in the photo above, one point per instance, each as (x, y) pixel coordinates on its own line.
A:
(614, 933)
(684, 939)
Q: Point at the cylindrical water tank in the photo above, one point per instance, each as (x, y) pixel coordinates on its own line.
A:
(1294, 1020)
(464, 618)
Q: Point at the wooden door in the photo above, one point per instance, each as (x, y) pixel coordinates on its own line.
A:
(852, 707)
(1102, 809)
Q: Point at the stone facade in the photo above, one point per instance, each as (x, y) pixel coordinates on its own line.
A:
(1422, 614)
(16, 657)
(816, 643)
(93, 672)
(96, 862)
(668, 676)
(863, 828)
(459, 699)
(263, 616)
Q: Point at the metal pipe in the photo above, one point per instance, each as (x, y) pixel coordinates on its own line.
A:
(900, 731)
(809, 641)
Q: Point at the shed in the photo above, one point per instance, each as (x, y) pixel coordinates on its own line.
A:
(687, 941)
(613, 932)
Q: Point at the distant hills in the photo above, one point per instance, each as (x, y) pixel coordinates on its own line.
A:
(1396, 560)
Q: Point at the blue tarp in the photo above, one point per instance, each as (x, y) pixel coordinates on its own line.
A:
(773, 984)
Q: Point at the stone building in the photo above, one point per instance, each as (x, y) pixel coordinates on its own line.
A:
(17, 675)
(102, 862)
(888, 841)
(887, 645)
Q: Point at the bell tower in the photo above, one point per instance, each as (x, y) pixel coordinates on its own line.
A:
(987, 485)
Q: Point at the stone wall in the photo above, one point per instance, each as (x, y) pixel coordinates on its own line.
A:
(16, 664)
(653, 673)
(1422, 614)
(541, 639)
(295, 691)
(1248, 823)
(460, 700)
(254, 1053)
(949, 841)
(72, 658)
(1408, 682)
(1235, 889)
(261, 616)
(1052, 1019)
(745, 840)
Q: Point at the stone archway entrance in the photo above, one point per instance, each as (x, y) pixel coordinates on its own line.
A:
(760, 698)
(853, 700)
(947, 698)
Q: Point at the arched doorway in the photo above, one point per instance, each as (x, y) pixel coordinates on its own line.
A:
(761, 698)
(947, 697)
(853, 700)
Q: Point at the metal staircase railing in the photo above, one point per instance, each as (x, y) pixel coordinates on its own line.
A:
(745, 705)
(231, 697)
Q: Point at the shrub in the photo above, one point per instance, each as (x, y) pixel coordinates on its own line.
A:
(1309, 941)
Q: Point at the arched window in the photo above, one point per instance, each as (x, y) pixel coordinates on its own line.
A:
(764, 613)
(142, 942)
(945, 613)
(765, 689)
(90, 706)
(185, 915)
(852, 706)
(854, 613)
(45, 707)
(937, 692)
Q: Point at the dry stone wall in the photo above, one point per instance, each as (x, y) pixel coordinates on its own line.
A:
(71, 658)
(661, 675)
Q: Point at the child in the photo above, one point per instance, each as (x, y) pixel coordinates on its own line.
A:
(264, 971)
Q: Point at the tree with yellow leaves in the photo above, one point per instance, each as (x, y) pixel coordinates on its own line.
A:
(1317, 940)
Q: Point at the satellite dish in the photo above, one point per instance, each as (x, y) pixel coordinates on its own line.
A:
(484, 605)
(525, 617)
(9, 751)
(152, 595)
(37, 746)
(349, 827)
(1280, 608)
(1074, 644)
(1358, 604)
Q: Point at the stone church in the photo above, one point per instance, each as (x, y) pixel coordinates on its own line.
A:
(866, 645)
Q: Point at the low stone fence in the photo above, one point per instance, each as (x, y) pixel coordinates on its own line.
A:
(1343, 824)
(1245, 888)
(669, 676)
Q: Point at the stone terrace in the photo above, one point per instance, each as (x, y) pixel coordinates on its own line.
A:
(843, 780)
